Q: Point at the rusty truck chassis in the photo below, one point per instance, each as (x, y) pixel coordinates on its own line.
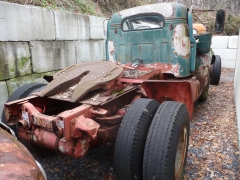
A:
(56, 123)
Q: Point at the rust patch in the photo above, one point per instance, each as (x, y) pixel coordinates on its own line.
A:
(135, 73)
(31, 115)
(165, 90)
(76, 148)
(108, 133)
(16, 162)
(84, 124)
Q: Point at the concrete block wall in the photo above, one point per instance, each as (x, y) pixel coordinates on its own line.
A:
(226, 47)
(36, 41)
(237, 89)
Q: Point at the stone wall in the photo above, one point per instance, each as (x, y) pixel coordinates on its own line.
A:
(226, 47)
(237, 90)
(36, 41)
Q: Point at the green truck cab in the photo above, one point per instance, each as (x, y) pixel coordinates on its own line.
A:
(159, 33)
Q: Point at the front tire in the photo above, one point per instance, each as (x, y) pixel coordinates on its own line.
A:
(167, 143)
(129, 148)
(216, 71)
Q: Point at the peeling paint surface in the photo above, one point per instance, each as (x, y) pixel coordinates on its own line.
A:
(62, 150)
(206, 58)
(84, 124)
(25, 117)
(204, 67)
(76, 148)
(165, 9)
(84, 145)
(111, 51)
(181, 42)
(60, 123)
(174, 70)
(203, 60)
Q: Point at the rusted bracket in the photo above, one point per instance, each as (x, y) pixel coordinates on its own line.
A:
(84, 124)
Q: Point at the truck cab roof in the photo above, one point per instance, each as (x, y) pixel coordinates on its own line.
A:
(167, 10)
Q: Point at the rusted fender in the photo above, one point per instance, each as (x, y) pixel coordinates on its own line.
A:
(16, 162)
(163, 90)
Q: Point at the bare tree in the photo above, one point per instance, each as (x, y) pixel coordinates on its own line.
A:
(232, 6)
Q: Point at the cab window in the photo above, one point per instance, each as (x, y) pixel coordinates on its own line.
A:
(143, 22)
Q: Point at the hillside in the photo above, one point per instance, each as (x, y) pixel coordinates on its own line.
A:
(105, 8)
(89, 7)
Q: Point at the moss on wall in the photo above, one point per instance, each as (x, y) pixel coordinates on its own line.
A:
(15, 83)
(14, 59)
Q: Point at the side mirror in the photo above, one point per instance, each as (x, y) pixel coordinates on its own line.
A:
(105, 23)
(219, 23)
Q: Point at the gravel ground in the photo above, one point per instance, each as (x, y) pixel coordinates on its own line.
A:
(213, 147)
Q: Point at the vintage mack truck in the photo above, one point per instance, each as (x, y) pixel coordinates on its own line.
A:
(142, 96)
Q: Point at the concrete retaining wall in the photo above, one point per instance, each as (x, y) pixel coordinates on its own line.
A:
(226, 47)
(36, 41)
(237, 90)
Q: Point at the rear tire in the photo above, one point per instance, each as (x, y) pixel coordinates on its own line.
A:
(167, 143)
(129, 148)
(216, 71)
(20, 93)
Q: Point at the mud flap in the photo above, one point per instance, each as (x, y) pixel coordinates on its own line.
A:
(179, 91)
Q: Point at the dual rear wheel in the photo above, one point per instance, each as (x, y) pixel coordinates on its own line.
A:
(152, 141)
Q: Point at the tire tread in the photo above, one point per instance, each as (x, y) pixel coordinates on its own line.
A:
(130, 140)
(160, 141)
(216, 71)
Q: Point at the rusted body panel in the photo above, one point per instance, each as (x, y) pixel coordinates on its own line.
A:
(16, 162)
(168, 90)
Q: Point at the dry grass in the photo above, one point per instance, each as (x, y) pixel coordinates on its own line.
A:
(75, 6)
